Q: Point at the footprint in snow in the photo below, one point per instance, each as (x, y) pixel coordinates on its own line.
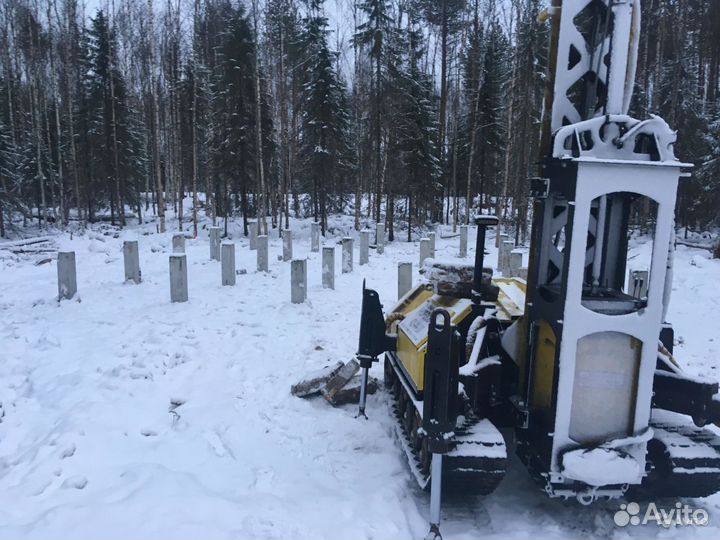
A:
(68, 451)
(74, 482)
(40, 488)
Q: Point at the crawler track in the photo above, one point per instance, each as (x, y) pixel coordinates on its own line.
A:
(685, 458)
(478, 460)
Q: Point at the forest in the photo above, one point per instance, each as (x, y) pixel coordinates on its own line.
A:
(119, 111)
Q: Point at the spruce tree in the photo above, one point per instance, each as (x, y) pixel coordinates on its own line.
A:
(325, 120)
(373, 34)
(486, 75)
(283, 36)
(446, 16)
(115, 142)
(418, 128)
(232, 113)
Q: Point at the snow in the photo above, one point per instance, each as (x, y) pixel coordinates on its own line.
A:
(128, 416)
(599, 466)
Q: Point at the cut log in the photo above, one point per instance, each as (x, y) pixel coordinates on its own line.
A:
(695, 245)
(26, 242)
(340, 379)
(350, 393)
(312, 383)
(21, 251)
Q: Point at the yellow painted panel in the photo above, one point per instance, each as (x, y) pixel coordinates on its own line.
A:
(543, 367)
(511, 298)
(412, 331)
(412, 358)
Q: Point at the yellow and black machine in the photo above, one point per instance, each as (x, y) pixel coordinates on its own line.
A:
(576, 362)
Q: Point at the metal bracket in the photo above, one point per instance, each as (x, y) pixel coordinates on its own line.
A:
(521, 411)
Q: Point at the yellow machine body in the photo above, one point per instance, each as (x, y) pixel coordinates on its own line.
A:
(412, 315)
(544, 381)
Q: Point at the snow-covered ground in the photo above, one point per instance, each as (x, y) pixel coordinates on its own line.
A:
(128, 416)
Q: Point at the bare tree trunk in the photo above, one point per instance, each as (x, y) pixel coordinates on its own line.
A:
(444, 32)
(156, 124)
(43, 212)
(262, 203)
(473, 131)
(356, 112)
(113, 118)
(409, 217)
(194, 121)
(48, 142)
(58, 130)
(177, 169)
(471, 155)
(510, 146)
(285, 153)
(658, 60)
(455, 195)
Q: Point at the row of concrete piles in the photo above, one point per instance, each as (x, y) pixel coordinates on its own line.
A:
(224, 251)
(509, 261)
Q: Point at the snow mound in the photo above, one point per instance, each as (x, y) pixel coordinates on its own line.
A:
(600, 466)
(96, 246)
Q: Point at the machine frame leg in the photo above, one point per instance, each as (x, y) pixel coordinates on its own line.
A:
(435, 497)
(363, 392)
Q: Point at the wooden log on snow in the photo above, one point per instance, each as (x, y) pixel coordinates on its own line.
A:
(350, 393)
(21, 251)
(25, 242)
(312, 383)
(707, 247)
(340, 379)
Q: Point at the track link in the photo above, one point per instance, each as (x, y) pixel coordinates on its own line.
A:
(477, 462)
(685, 458)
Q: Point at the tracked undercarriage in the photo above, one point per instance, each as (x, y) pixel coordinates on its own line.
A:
(477, 460)
(685, 459)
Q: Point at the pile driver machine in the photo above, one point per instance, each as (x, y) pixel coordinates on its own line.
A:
(574, 362)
